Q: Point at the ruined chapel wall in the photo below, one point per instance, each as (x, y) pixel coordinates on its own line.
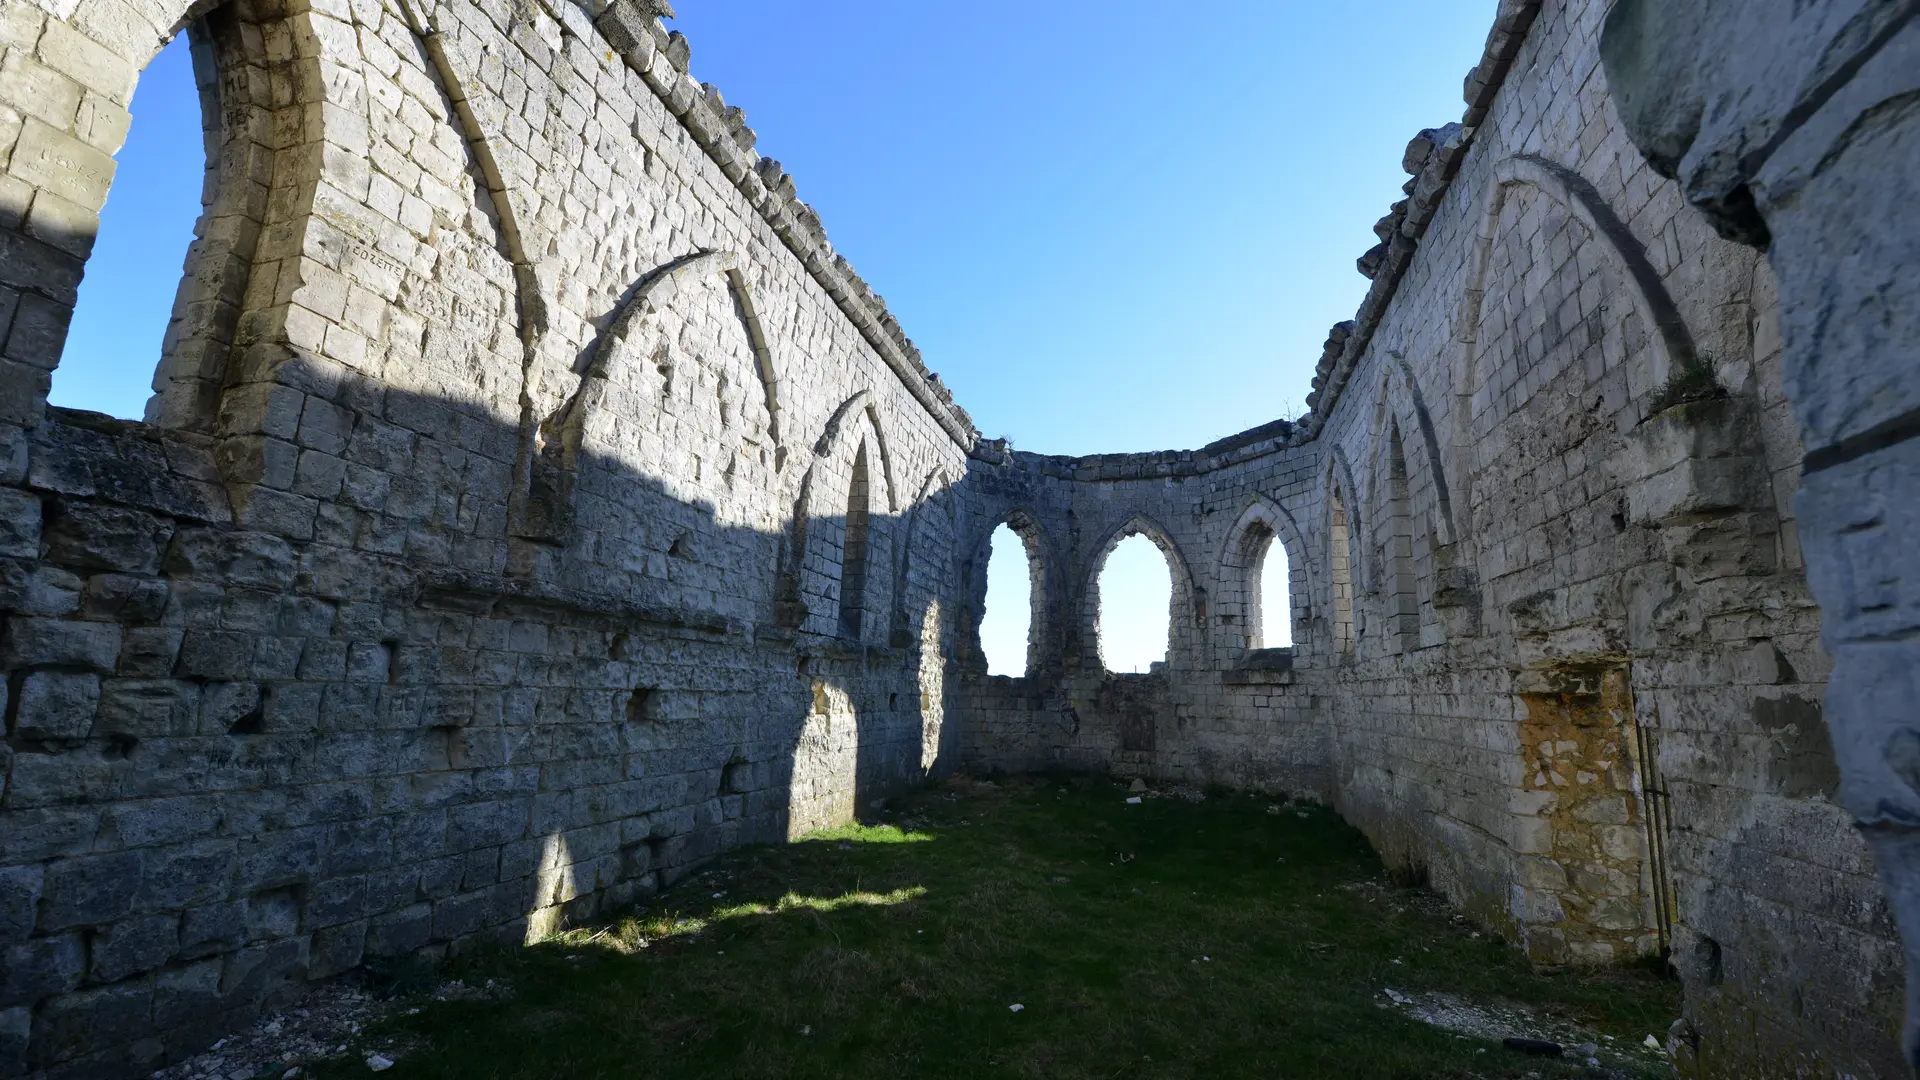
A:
(1563, 570)
(463, 596)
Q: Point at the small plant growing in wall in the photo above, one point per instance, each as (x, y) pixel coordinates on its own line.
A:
(1692, 380)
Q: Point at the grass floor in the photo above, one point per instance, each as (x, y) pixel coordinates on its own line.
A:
(1225, 938)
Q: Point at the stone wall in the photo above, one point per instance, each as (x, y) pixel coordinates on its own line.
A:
(1567, 666)
(532, 504)
(480, 565)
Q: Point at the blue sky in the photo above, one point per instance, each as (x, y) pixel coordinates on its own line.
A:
(1108, 225)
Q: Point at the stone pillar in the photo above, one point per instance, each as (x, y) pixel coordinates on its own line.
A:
(1796, 127)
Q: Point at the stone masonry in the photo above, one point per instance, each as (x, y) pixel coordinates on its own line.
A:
(531, 504)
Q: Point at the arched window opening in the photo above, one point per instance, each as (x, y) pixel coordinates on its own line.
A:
(1403, 602)
(127, 298)
(1136, 606)
(1272, 600)
(1006, 622)
(853, 555)
(1340, 563)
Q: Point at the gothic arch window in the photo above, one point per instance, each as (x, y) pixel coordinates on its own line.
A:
(126, 300)
(855, 549)
(1270, 605)
(1396, 527)
(1010, 615)
(1340, 571)
(1135, 605)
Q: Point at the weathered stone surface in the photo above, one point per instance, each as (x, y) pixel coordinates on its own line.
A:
(19, 523)
(57, 705)
(40, 968)
(19, 897)
(95, 537)
(579, 513)
(90, 891)
(132, 946)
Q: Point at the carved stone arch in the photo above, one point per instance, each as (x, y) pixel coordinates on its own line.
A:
(1184, 613)
(763, 360)
(250, 77)
(852, 427)
(859, 405)
(1672, 340)
(562, 435)
(900, 628)
(1043, 581)
(1345, 577)
(1261, 522)
(1409, 407)
(651, 295)
(1338, 473)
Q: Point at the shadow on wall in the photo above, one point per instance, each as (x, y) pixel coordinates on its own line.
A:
(244, 755)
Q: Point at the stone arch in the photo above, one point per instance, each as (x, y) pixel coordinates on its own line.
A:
(1344, 579)
(1401, 391)
(1185, 609)
(562, 435)
(1395, 541)
(1261, 522)
(256, 63)
(1671, 339)
(849, 431)
(900, 631)
(236, 77)
(855, 546)
(1338, 472)
(1042, 572)
(860, 404)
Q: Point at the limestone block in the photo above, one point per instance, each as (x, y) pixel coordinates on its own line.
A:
(213, 930)
(266, 972)
(95, 537)
(337, 949)
(45, 94)
(19, 895)
(182, 995)
(132, 946)
(239, 558)
(32, 642)
(16, 1031)
(86, 61)
(90, 891)
(41, 967)
(150, 651)
(69, 1026)
(57, 705)
(38, 589)
(124, 598)
(62, 164)
(19, 523)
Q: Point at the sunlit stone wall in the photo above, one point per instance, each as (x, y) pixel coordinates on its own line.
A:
(479, 567)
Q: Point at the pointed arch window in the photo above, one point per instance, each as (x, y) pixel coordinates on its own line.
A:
(1135, 606)
(126, 316)
(855, 550)
(1007, 618)
(1340, 566)
(1270, 607)
(1403, 600)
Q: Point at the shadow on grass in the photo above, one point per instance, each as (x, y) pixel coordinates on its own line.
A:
(1228, 938)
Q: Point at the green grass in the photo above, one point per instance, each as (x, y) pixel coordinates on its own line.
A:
(1165, 939)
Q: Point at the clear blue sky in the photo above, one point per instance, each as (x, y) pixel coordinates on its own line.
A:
(1109, 226)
